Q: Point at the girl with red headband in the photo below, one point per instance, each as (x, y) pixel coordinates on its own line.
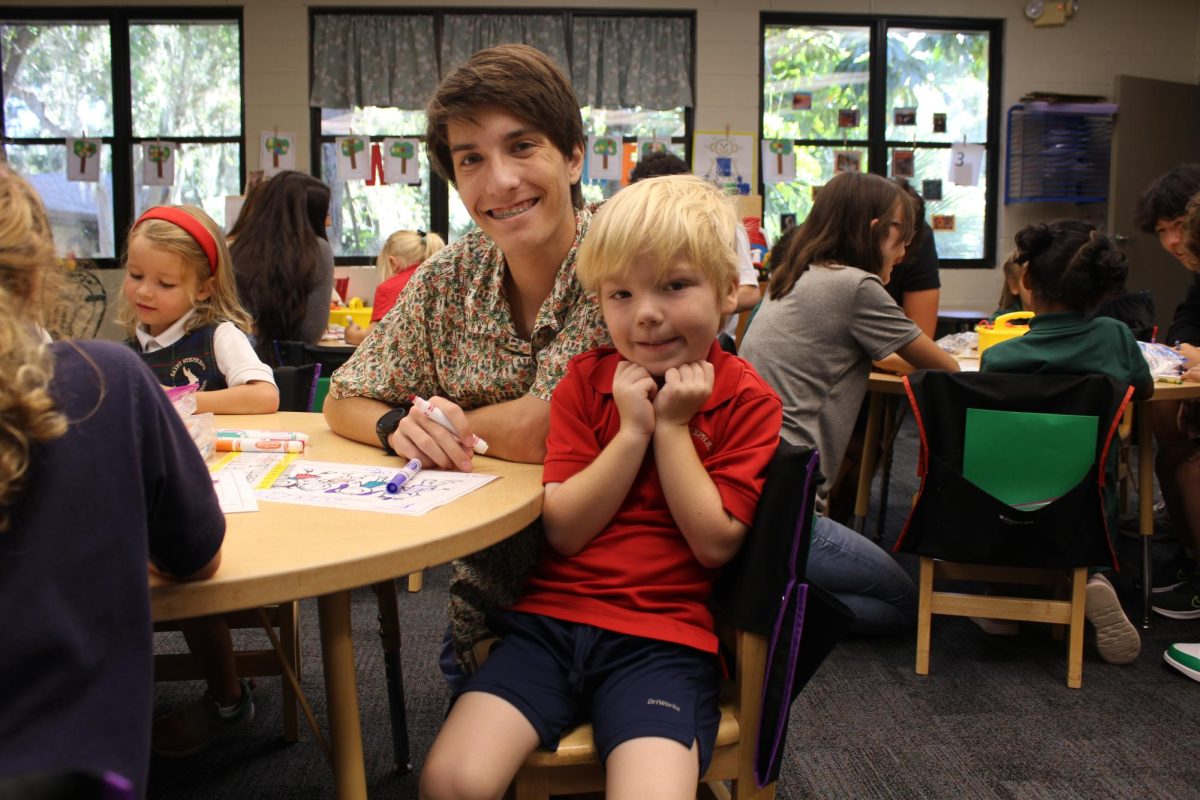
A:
(181, 312)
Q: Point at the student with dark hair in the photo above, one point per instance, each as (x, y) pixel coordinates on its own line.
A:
(663, 162)
(826, 317)
(1177, 595)
(485, 328)
(283, 261)
(915, 284)
(1161, 210)
(1070, 267)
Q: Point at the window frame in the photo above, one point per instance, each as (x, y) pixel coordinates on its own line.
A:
(876, 145)
(122, 141)
(439, 188)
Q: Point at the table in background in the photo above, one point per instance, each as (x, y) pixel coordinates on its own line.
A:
(882, 384)
(284, 552)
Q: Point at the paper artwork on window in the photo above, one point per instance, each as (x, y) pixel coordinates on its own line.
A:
(604, 158)
(902, 163)
(943, 222)
(276, 152)
(726, 159)
(158, 163)
(847, 161)
(83, 160)
(778, 161)
(906, 115)
(966, 161)
(400, 162)
(353, 158)
(848, 118)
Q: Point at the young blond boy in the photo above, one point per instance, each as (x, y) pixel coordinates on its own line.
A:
(655, 461)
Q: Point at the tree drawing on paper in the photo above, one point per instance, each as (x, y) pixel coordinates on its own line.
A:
(402, 150)
(159, 154)
(653, 146)
(350, 147)
(781, 148)
(85, 150)
(278, 146)
(604, 148)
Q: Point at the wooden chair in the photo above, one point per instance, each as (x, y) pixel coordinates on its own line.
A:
(254, 663)
(973, 522)
(575, 767)
(749, 590)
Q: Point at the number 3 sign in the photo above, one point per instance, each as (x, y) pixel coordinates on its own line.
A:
(966, 162)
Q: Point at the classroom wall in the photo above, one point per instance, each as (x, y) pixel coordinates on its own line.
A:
(1108, 37)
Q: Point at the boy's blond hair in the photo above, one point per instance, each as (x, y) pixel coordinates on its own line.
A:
(222, 304)
(664, 221)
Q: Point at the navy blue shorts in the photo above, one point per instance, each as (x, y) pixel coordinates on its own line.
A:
(559, 674)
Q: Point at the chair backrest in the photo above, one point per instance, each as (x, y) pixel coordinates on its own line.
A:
(80, 311)
(290, 354)
(1012, 468)
(297, 386)
(764, 590)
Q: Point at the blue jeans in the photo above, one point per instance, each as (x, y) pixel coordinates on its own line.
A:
(864, 577)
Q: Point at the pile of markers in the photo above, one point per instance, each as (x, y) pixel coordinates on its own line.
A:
(249, 441)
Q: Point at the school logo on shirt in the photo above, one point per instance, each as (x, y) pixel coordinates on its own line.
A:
(702, 439)
(191, 367)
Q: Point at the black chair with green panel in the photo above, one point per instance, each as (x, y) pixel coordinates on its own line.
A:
(1017, 486)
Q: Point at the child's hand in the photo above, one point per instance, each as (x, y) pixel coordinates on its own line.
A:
(683, 393)
(634, 391)
(1191, 353)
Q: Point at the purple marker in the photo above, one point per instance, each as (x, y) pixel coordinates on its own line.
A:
(405, 475)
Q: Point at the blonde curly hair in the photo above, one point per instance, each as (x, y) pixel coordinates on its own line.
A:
(27, 261)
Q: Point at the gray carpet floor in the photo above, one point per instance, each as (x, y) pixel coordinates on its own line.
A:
(994, 719)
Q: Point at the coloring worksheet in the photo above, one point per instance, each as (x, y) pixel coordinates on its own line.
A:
(364, 488)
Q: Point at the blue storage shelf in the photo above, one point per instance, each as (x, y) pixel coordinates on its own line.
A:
(1058, 153)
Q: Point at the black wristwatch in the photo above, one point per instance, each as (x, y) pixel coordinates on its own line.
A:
(387, 425)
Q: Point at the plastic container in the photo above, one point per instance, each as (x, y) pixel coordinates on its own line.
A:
(355, 310)
(1002, 329)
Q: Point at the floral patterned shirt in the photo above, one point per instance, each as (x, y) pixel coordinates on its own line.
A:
(451, 334)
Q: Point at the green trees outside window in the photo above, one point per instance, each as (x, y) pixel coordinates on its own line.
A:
(814, 68)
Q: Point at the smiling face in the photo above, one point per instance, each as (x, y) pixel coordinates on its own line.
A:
(1170, 236)
(659, 322)
(159, 285)
(515, 184)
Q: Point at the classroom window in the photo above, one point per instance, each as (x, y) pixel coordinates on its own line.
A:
(839, 89)
(124, 78)
(366, 212)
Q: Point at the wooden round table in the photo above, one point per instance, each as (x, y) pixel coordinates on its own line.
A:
(284, 552)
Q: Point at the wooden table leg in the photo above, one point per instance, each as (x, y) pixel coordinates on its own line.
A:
(866, 467)
(1145, 499)
(337, 654)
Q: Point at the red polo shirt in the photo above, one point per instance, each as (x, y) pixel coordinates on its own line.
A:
(638, 576)
(387, 292)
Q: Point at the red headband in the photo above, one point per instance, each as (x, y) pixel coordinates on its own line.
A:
(194, 228)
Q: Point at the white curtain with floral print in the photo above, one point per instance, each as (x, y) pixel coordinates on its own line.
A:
(631, 62)
(373, 60)
(463, 35)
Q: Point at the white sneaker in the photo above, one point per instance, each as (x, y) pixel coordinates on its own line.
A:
(1117, 638)
(1184, 657)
